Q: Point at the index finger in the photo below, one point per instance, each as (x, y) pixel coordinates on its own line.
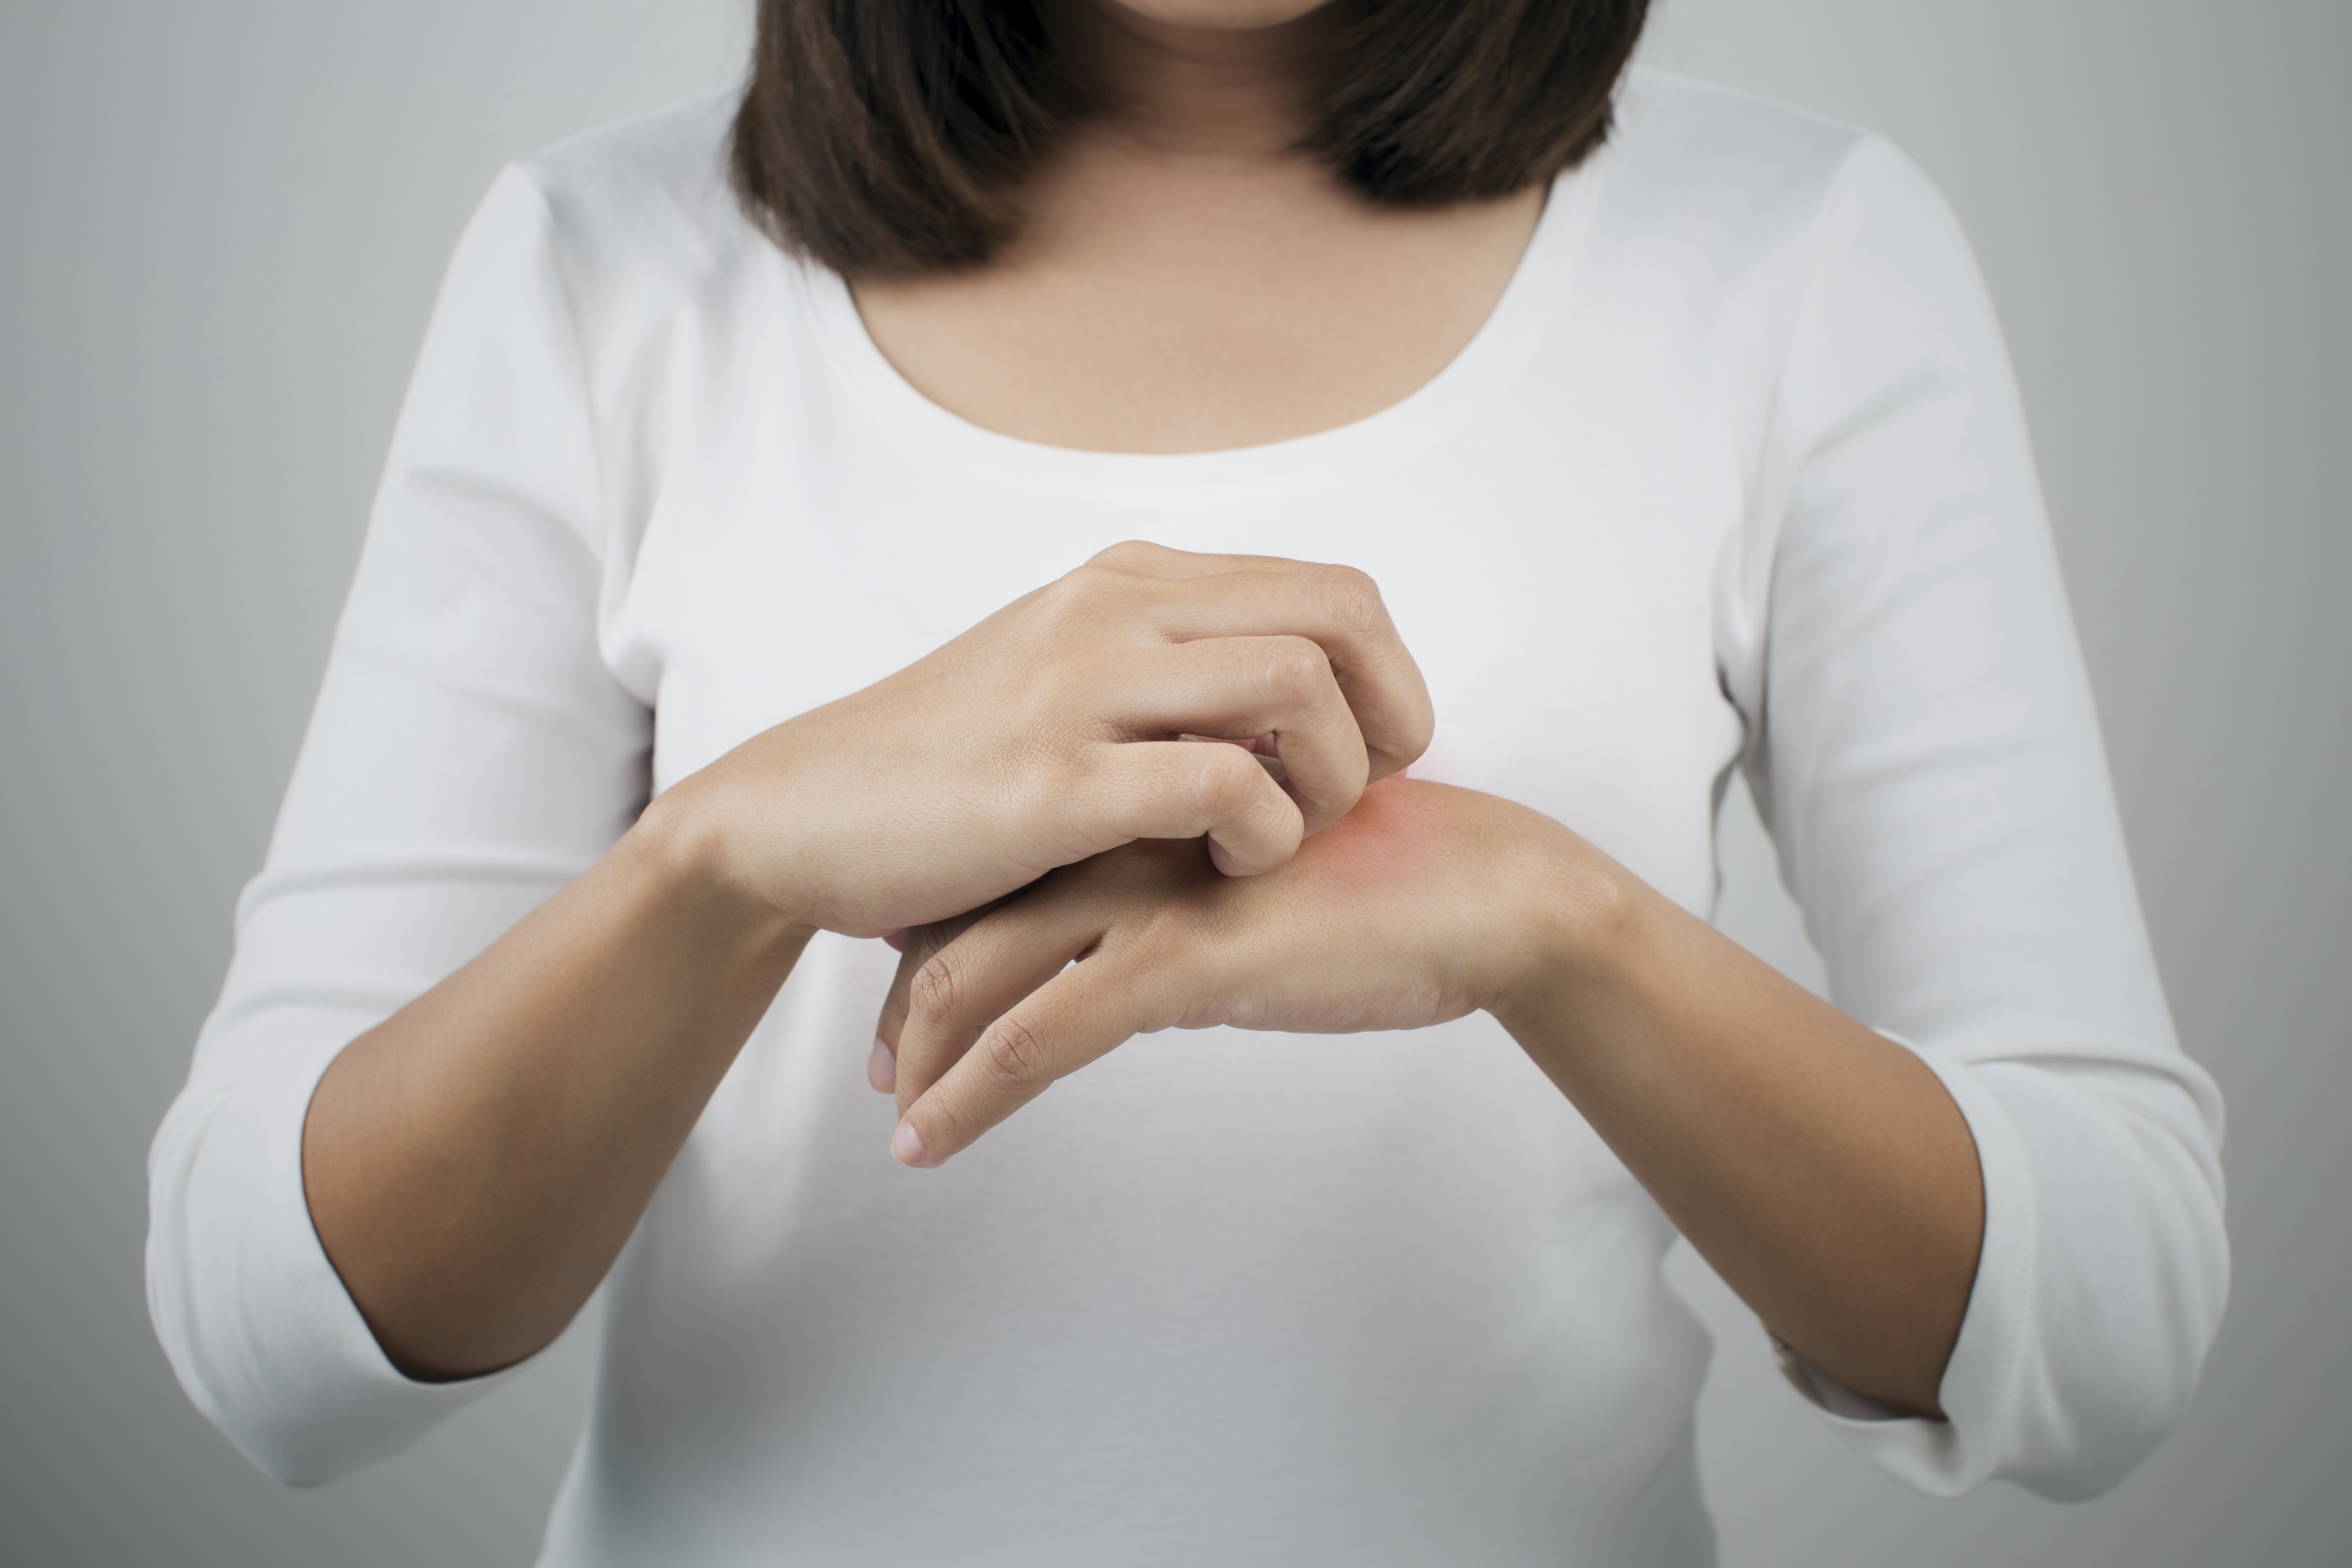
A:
(1338, 608)
(1084, 1013)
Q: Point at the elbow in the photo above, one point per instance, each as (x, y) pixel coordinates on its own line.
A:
(252, 1317)
(241, 1406)
(2129, 1394)
(218, 1350)
(2140, 1298)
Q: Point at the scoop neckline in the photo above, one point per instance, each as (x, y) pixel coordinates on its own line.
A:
(1528, 300)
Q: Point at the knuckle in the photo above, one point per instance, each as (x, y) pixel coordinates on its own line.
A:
(1354, 599)
(1065, 593)
(1228, 780)
(1079, 816)
(1015, 1055)
(1423, 730)
(1295, 670)
(1080, 600)
(1408, 731)
(1089, 579)
(1127, 554)
(937, 987)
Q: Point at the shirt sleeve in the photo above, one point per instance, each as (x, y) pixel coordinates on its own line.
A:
(470, 753)
(1926, 755)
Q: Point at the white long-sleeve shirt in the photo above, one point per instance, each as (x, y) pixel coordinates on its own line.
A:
(1735, 476)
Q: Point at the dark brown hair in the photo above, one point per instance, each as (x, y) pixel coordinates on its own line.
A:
(882, 136)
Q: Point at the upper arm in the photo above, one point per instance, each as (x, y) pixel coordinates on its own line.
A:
(1929, 760)
(470, 753)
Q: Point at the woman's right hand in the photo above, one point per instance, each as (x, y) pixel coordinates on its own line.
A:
(474, 1162)
(1048, 733)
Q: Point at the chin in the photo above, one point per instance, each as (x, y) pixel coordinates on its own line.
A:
(1234, 15)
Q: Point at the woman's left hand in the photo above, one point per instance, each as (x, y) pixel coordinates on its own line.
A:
(1421, 905)
(1821, 1167)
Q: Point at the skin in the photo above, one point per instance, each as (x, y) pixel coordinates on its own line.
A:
(474, 1162)
(1185, 282)
(1822, 1169)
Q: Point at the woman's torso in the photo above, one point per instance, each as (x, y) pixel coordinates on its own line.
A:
(1223, 1296)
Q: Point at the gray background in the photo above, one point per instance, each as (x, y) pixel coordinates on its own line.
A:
(221, 222)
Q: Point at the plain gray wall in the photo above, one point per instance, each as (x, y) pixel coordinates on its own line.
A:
(221, 222)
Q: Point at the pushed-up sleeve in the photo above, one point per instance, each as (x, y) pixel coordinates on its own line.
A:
(1927, 757)
(470, 754)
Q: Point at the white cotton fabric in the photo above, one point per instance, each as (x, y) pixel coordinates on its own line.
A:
(1734, 477)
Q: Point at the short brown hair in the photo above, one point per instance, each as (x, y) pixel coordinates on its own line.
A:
(890, 136)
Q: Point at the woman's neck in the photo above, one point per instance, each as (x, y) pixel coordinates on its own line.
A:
(1184, 278)
(1215, 93)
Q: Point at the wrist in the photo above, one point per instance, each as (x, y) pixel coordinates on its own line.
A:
(1577, 910)
(685, 843)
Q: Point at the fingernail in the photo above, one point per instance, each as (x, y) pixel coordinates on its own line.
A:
(906, 1145)
(882, 1067)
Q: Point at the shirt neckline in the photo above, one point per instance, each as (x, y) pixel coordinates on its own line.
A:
(1529, 301)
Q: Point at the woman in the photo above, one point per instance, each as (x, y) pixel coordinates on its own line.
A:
(1661, 432)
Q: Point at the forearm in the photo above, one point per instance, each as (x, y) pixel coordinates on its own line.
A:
(473, 1164)
(1819, 1166)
